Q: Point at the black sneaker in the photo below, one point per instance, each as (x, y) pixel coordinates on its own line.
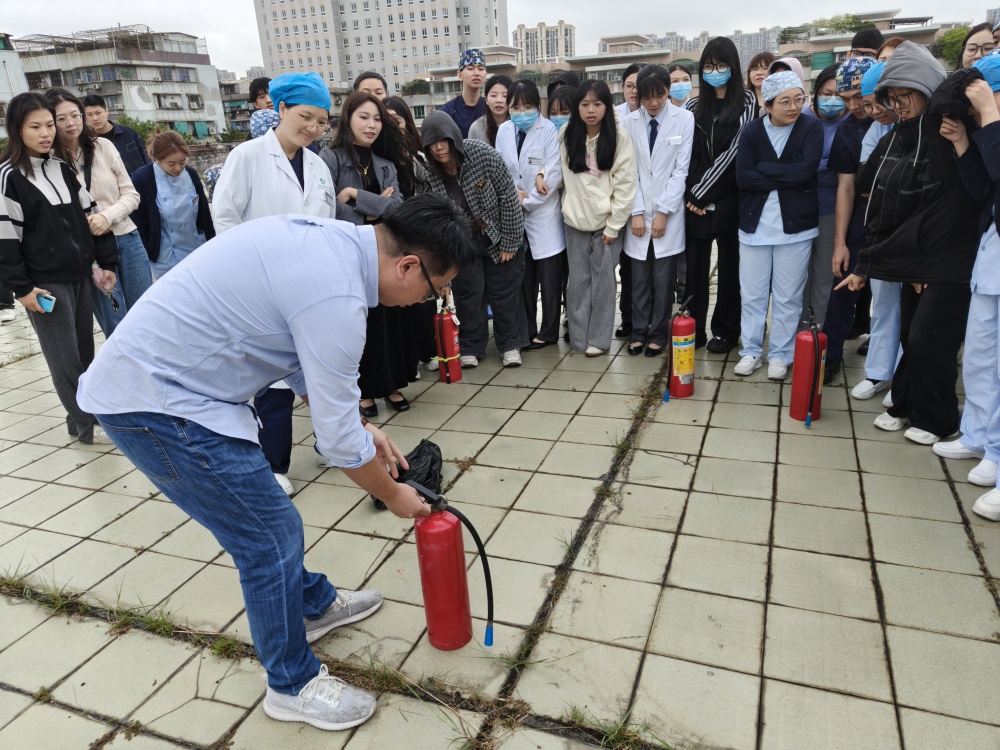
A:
(623, 331)
(719, 345)
(833, 368)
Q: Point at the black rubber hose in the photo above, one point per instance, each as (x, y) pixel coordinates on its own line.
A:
(488, 640)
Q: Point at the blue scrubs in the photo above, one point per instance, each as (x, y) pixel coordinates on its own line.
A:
(177, 202)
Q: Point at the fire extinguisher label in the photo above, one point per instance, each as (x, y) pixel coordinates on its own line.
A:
(822, 374)
(684, 358)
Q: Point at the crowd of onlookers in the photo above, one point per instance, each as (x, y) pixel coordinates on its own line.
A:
(860, 202)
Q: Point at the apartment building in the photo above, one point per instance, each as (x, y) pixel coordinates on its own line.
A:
(12, 80)
(544, 43)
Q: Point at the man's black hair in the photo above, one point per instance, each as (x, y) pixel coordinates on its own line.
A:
(868, 39)
(259, 86)
(370, 74)
(433, 228)
(93, 100)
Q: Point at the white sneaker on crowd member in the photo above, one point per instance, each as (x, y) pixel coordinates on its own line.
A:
(8, 315)
(512, 358)
(747, 365)
(868, 388)
(325, 702)
(776, 370)
(988, 506)
(984, 474)
(347, 608)
(432, 366)
(285, 484)
(921, 436)
(955, 449)
(889, 423)
(467, 360)
(593, 351)
(887, 401)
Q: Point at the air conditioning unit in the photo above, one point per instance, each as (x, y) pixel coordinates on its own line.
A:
(174, 105)
(213, 131)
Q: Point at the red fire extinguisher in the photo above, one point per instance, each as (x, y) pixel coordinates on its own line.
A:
(807, 373)
(680, 353)
(441, 555)
(446, 338)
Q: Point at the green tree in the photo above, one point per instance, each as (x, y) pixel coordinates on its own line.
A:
(144, 128)
(848, 23)
(234, 136)
(419, 86)
(948, 47)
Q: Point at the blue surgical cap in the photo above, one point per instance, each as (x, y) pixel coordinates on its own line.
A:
(989, 66)
(299, 88)
(871, 77)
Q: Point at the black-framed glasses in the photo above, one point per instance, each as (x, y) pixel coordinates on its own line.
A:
(972, 49)
(433, 293)
(862, 53)
(897, 100)
(715, 68)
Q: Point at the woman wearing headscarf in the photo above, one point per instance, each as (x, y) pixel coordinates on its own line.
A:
(776, 169)
(923, 230)
(275, 174)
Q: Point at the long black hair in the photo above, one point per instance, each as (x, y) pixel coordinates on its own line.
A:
(411, 142)
(828, 73)
(87, 136)
(565, 95)
(491, 123)
(388, 145)
(576, 130)
(730, 107)
(18, 110)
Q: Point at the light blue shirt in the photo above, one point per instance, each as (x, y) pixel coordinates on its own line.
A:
(177, 202)
(872, 137)
(278, 297)
(986, 272)
(770, 228)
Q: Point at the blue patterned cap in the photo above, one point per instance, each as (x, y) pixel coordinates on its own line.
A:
(989, 66)
(263, 120)
(471, 56)
(871, 78)
(778, 83)
(851, 71)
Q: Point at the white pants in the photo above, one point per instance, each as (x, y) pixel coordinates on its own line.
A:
(884, 350)
(981, 377)
(778, 270)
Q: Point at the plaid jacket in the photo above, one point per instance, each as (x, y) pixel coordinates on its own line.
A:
(489, 191)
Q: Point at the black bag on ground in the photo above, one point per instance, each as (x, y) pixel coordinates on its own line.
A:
(425, 468)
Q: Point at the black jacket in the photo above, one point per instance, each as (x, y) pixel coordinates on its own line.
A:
(759, 170)
(45, 238)
(147, 216)
(923, 222)
(130, 147)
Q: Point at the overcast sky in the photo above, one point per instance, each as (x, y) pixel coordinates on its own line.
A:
(230, 28)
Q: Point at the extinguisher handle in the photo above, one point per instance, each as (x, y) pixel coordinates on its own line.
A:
(685, 304)
(436, 501)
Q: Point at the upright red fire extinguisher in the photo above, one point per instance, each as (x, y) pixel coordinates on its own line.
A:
(681, 343)
(807, 373)
(446, 338)
(441, 555)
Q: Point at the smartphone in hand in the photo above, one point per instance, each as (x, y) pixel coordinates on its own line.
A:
(46, 302)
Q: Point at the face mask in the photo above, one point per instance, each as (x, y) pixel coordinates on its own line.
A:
(559, 120)
(715, 79)
(679, 91)
(524, 120)
(831, 106)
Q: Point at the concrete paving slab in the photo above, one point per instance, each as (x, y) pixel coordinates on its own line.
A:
(719, 567)
(823, 583)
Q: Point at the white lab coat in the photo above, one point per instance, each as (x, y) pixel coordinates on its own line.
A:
(258, 180)
(543, 222)
(662, 179)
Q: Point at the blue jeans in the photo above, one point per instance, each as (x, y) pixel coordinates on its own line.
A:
(227, 486)
(134, 278)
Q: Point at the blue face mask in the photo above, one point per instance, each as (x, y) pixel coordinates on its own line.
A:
(559, 120)
(831, 106)
(524, 120)
(715, 79)
(679, 91)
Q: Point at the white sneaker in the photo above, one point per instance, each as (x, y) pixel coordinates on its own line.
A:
(984, 474)
(512, 358)
(777, 370)
(747, 365)
(322, 462)
(432, 366)
(347, 608)
(285, 484)
(955, 449)
(868, 388)
(889, 423)
(8, 315)
(988, 506)
(921, 436)
(101, 437)
(887, 401)
(325, 702)
(593, 351)
(467, 360)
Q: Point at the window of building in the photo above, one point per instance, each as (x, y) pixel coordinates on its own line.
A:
(426, 50)
(284, 14)
(357, 41)
(295, 29)
(444, 12)
(392, 36)
(312, 10)
(447, 30)
(394, 54)
(354, 7)
(412, 17)
(406, 68)
(356, 24)
(195, 102)
(369, 40)
(274, 15)
(423, 33)
(434, 13)
(298, 46)
(395, 70)
(360, 57)
(167, 74)
(364, 6)
(347, 59)
(418, 112)
(330, 77)
(309, 61)
(465, 11)
(288, 47)
(447, 49)
(300, 63)
(282, 64)
(342, 9)
(437, 49)
(468, 30)
(434, 31)
(329, 59)
(315, 29)
(423, 15)
(293, 13)
(322, 10)
(324, 26)
(371, 57)
(368, 23)
(326, 43)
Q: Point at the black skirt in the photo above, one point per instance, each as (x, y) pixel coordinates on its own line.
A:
(389, 361)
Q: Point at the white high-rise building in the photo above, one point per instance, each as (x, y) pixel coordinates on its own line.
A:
(401, 39)
(544, 43)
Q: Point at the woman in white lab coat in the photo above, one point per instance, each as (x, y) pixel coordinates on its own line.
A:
(662, 135)
(529, 145)
(271, 175)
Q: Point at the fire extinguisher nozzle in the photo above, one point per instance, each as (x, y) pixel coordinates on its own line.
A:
(666, 395)
(488, 640)
(809, 420)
